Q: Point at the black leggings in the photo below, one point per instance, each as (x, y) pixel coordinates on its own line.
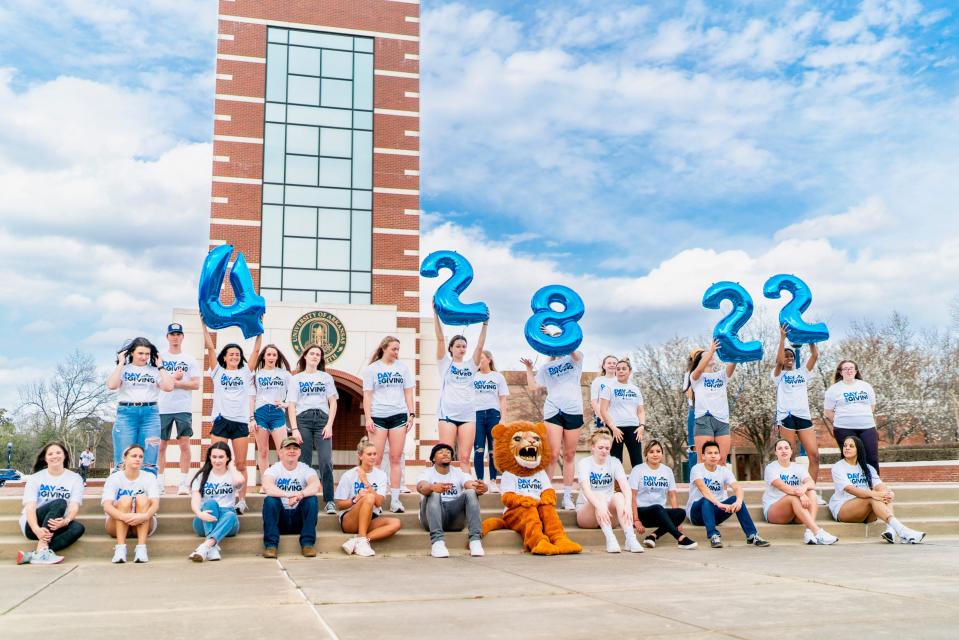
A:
(634, 447)
(666, 519)
(870, 440)
(63, 537)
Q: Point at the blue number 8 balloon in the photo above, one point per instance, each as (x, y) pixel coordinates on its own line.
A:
(726, 332)
(446, 300)
(797, 330)
(572, 334)
(247, 309)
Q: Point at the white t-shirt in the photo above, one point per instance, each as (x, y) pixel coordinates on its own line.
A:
(716, 481)
(792, 397)
(625, 398)
(793, 476)
(291, 480)
(271, 385)
(489, 387)
(231, 393)
(532, 486)
(119, 486)
(178, 400)
(710, 395)
(218, 487)
(87, 458)
(600, 477)
(651, 486)
(41, 487)
(599, 383)
(350, 484)
(852, 403)
(139, 384)
(455, 477)
(457, 394)
(388, 384)
(561, 377)
(312, 391)
(846, 475)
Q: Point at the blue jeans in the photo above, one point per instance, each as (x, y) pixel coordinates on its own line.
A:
(483, 441)
(226, 525)
(705, 513)
(278, 521)
(140, 425)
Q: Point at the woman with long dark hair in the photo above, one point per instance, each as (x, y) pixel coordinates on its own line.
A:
(849, 405)
(51, 500)
(861, 496)
(623, 412)
(214, 489)
(130, 501)
(138, 379)
(312, 401)
(234, 396)
(272, 377)
(654, 483)
(491, 392)
(708, 381)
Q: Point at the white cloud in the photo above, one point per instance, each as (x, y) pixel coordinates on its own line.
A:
(861, 220)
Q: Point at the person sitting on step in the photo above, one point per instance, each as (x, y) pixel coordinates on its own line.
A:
(290, 505)
(449, 501)
(360, 496)
(131, 498)
(214, 488)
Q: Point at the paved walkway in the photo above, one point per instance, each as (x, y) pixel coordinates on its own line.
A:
(852, 590)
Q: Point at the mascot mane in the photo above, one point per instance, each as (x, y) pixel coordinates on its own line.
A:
(521, 448)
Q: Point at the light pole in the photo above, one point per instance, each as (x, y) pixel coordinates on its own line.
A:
(9, 455)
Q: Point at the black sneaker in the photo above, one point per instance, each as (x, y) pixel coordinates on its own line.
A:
(650, 541)
(716, 541)
(757, 541)
(687, 543)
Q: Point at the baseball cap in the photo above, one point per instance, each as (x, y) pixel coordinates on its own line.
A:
(174, 327)
(289, 441)
(439, 447)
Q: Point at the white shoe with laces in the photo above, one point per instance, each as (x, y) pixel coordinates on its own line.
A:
(349, 546)
(241, 507)
(612, 546)
(568, 503)
(889, 535)
(476, 549)
(183, 489)
(911, 536)
(439, 550)
(200, 553)
(213, 553)
(634, 546)
(809, 537)
(363, 548)
(824, 537)
(140, 554)
(820, 500)
(397, 507)
(119, 554)
(47, 556)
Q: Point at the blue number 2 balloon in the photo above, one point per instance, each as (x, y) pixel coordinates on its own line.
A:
(726, 333)
(446, 301)
(797, 330)
(248, 307)
(543, 314)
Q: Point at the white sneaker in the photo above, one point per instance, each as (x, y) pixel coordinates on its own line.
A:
(568, 503)
(200, 553)
(213, 553)
(119, 554)
(809, 537)
(494, 487)
(634, 546)
(397, 507)
(241, 507)
(46, 556)
(476, 549)
(650, 541)
(909, 536)
(363, 548)
(820, 500)
(889, 535)
(162, 489)
(439, 550)
(349, 546)
(183, 489)
(824, 537)
(140, 553)
(612, 546)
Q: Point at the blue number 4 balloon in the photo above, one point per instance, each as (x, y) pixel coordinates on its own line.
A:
(797, 330)
(450, 309)
(248, 307)
(726, 332)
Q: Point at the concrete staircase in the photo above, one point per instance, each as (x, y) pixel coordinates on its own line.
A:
(933, 508)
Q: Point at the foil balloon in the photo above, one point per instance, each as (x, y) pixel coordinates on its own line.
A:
(797, 330)
(248, 307)
(726, 332)
(571, 334)
(450, 309)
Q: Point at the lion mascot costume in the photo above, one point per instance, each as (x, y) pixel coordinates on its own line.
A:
(521, 454)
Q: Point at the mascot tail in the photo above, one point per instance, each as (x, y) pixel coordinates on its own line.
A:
(492, 524)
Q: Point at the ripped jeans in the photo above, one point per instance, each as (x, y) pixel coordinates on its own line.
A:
(137, 425)
(486, 419)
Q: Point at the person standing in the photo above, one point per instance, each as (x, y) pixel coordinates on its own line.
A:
(624, 414)
(176, 406)
(606, 377)
(449, 500)
(709, 381)
(491, 392)
(290, 506)
(130, 500)
(272, 378)
(849, 404)
(87, 458)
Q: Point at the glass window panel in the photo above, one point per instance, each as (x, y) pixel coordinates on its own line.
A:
(336, 93)
(270, 294)
(298, 296)
(306, 61)
(271, 236)
(304, 90)
(360, 298)
(313, 39)
(337, 64)
(300, 221)
(316, 279)
(363, 81)
(318, 197)
(276, 35)
(334, 172)
(315, 115)
(362, 237)
(362, 120)
(360, 281)
(270, 277)
(363, 159)
(335, 142)
(362, 199)
(333, 254)
(363, 44)
(273, 193)
(302, 139)
(276, 72)
(301, 170)
(275, 112)
(299, 252)
(273, 152)
(334, 223)
(334, 297)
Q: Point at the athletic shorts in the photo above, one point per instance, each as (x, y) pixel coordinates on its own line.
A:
(709, 426)
(391, 422)
(795, 424)
(455, 423)
(342, 514)
(569, 421)
(184, 425)
(270, 417)
(230, 429)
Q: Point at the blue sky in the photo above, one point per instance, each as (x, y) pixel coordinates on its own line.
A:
(637, 151)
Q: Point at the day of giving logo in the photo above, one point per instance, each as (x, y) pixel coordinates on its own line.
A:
(322, 328)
